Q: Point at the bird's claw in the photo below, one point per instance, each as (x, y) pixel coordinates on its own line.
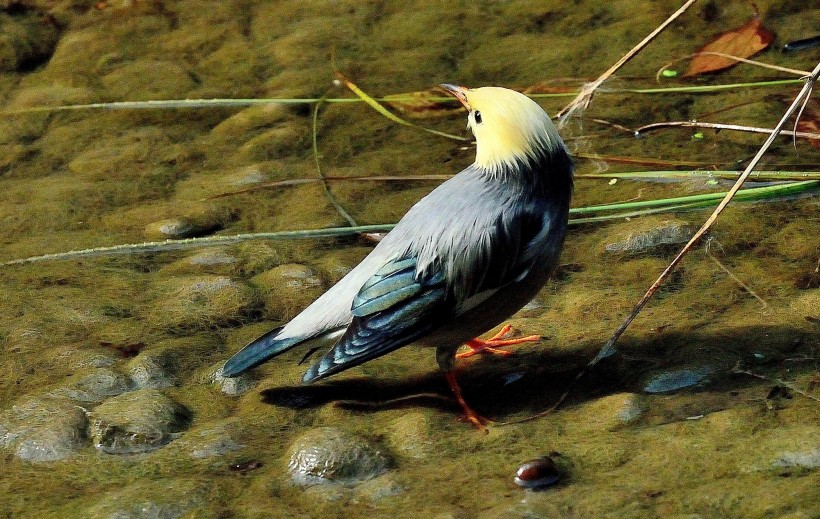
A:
(490, 345)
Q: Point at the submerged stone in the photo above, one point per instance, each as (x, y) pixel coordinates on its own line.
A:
(327, 454)
(136, 422)
(43, 429)
(672, 380)
(202, 301)
(162, 499)
(95, 386)
(232, 386)
(149, 370)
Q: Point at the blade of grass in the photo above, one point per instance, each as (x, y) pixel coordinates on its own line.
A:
(387, 113)
(721, 126)
(627, 210)
(328, 193)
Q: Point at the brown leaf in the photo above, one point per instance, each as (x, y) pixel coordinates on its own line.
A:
(810, 121)
(744, 41)
(423, 104)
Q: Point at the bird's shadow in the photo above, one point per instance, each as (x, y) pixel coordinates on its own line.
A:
(532, 381)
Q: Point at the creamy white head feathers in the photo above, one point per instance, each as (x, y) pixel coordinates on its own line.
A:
(509, 127)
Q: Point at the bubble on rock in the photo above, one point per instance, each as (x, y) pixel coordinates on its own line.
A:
(327, 454)
(95, 386)
(673, 380)
(135, 422)
(232, 386)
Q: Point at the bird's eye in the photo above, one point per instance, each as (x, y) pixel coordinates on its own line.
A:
(477, 117)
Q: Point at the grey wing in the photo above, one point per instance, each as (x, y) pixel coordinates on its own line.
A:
(393, 308)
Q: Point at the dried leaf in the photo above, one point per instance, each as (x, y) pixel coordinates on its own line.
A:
(744, 41)
(423, 104)
(810, 121)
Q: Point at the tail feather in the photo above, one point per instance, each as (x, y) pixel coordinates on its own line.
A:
(258, 351)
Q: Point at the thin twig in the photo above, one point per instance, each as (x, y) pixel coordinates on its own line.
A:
(778, 381)
(736, 279)
(325, 186)
(722, 126)
(609, 348)
(585, 96)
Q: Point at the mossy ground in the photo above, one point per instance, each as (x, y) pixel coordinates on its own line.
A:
(96, 178)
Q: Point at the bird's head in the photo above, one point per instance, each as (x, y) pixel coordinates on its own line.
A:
(510, 129)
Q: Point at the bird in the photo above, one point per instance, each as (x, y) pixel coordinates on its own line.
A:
(462, 260)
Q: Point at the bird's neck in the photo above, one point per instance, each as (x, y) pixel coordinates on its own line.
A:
(546, 173)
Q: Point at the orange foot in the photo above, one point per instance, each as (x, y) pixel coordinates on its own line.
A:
(478, 421)
(490, 345)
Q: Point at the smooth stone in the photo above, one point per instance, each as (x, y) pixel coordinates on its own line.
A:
(380, 488)
(157, 499)
(209, 258)
(56, 440)
(202, 301)
(95, 386)
(328, 454)
(289, 288)
(213, 441)
(179, 229)
(664, 233)
(232, 386)
(136, 422)
(42, 429)
(150, 370)
(673, 380)
(608, 413)
(809, 459)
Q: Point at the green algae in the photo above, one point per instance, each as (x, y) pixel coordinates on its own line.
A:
(90, 179)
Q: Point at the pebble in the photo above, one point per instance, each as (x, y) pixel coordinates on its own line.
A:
(290, 288)
(233, 386)
(808, 459)
(217, 439)
(201, 301)
(179, 229)
(327, 454)
(42, 429)
(152, 499)
(149, 370)
(673, 380)
(96, 386)
(135, 422)
(537, 473)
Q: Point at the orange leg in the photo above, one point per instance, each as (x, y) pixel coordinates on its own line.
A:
(477, 420)
(491, 345)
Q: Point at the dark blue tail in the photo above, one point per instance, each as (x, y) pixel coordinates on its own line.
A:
(257, 352)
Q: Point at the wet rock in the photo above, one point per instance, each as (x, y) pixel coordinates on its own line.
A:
(608, 413)
(179, 229)
(136, 422)
(79, 358)
(150, 370)
(673, 380)
(162, 499)
(95, 386)
(379, 488)
(327, 454)
(155, 79)
(212, 257)
(288, 288)
(43, 429)
(808, 459)
(202, 301)
(660, 234)
(26, 39)
(213, 441)
(232, 386)
(410, 435)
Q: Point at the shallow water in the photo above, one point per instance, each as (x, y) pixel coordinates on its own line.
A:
(75, 334)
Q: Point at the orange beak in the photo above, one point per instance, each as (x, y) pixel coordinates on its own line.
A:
(458, 91)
